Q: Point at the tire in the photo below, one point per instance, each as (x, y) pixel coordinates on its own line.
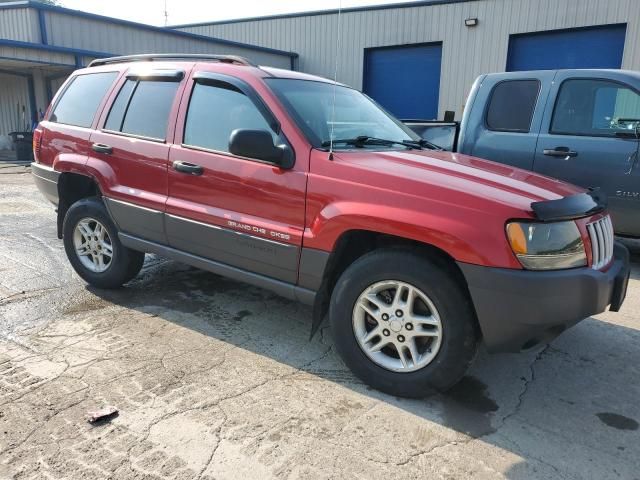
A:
(445, 330)
(116, 270)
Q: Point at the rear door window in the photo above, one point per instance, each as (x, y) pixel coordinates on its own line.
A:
(80, 100)
(116, 115)
(595, 107)
(512, 104)
(142, 108)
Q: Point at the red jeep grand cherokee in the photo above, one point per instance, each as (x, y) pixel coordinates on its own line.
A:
(415, 254)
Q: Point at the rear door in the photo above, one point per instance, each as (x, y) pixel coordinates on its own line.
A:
(130, 151)
(505, 118)
(238, 211)
(588, 139)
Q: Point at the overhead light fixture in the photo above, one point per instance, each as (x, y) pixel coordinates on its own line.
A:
(471, 22)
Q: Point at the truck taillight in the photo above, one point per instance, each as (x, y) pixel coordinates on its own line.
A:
(37, 144)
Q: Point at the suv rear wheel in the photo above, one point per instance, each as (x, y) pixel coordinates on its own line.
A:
(93, 248)
(402, 323)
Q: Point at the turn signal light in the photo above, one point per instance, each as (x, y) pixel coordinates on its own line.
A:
(517, 238)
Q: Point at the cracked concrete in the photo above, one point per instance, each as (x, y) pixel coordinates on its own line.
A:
(214, 379)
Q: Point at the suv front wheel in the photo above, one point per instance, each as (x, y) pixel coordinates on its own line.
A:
(403, 323)
(93, 248)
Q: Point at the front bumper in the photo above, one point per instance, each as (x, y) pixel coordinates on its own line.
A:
(46, 179)
(518, 309)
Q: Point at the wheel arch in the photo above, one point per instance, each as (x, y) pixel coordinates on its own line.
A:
(353, 244)
(71, 188)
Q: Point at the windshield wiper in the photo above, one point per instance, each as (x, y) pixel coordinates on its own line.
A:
(423, 144)
(363, 140)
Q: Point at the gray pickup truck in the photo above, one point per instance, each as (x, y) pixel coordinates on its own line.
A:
(581, 126)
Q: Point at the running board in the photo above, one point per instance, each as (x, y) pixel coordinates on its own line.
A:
(286, 290)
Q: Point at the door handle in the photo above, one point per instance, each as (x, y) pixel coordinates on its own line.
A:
(563, 152)
(102, 148)
(186, 167)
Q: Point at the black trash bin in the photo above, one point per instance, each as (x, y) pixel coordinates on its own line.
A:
(23, 143)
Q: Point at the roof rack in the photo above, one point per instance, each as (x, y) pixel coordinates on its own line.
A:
(150, 57)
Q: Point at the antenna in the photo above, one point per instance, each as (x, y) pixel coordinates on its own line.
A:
(166, 14)
(335, 82)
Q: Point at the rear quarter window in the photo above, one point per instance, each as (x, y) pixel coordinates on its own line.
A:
(80, 100)
(511, 105)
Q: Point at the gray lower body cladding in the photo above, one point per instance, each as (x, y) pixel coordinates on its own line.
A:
(284, 289)
(258, 261)
(140, 221)
(46, 179)
(517, 309)
(255, 254)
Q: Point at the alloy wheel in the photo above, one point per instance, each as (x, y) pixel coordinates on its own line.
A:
(397, 326)
(93, 245)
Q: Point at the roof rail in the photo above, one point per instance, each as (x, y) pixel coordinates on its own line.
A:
(150, 57)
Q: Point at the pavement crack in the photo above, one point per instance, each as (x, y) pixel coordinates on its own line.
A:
(525, 387)
(25, 295)
(218, 433)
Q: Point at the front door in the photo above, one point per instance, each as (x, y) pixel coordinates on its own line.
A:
(588, 138)
(234, 210)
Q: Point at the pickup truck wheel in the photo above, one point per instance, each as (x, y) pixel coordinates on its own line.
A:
(93, 248)
(402, 323)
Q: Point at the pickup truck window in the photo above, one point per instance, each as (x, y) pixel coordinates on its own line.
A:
(216, 111)
(80, 100)
(142, 108)
(592, 107)
(511, 105)
(311, 104)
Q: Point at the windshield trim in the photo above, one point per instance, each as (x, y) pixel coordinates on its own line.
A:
(310, 135)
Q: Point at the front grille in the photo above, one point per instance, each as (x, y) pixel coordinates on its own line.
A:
(601, 236)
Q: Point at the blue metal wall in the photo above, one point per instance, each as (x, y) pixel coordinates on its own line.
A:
(592, 47)
(405, 80)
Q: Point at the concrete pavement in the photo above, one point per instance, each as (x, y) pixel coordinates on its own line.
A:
(215, 379)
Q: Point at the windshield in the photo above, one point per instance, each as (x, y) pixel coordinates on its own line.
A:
(310, 103)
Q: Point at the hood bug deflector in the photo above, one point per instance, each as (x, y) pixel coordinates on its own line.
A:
(571, 207)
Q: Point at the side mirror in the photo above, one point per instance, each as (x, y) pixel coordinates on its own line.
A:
(258, 144)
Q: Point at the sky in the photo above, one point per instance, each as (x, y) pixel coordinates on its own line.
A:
(192, 11)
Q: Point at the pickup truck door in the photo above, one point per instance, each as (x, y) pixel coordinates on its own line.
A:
(588, 138)
(502, 120)
(237, 211)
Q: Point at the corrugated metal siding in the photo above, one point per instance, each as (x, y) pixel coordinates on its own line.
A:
(36, 56)
(19, 24)
(56, 84)
(13, 96)
(467, 52)
(99, 36)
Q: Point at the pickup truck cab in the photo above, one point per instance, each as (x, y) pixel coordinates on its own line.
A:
(306, 187)
(580, 126)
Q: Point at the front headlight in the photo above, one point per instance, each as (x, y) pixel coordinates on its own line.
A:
(547, 246)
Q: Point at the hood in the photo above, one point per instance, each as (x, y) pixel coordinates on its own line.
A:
(510, 186)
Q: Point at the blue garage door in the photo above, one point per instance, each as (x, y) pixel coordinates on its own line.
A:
(592, 47)
(404, 80)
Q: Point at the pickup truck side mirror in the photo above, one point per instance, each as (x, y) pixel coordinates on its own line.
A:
(259, 144)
